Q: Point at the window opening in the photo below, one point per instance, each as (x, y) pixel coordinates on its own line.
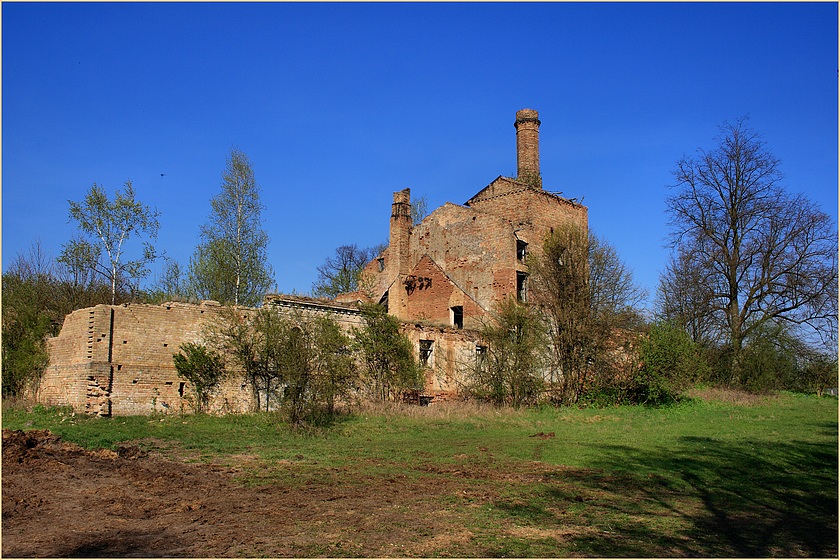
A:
(381, 262)
(521, 286)
(458, 316)
(181, 386)
(425, 352)
(480, 354)
(521, 250)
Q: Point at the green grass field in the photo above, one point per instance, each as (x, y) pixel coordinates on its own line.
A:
(720, 474)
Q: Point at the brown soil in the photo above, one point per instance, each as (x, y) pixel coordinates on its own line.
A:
(62, 500)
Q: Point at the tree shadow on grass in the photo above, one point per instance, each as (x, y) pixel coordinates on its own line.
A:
(702, 497)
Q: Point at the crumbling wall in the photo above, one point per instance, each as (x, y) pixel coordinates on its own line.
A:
(117, 359)
(432, 298)
(65, 381)
(470, 247)
(453, 353)
(476, 247)
(532, 212)
(346, 315)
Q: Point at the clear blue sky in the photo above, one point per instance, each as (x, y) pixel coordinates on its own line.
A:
(339, 105)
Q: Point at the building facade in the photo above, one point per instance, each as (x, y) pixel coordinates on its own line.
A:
(442, 278)
(461, 261)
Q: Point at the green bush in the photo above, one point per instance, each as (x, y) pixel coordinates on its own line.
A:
(819, 374)
(386, 355)
(671, 362)
(201, 367)
(510, 370)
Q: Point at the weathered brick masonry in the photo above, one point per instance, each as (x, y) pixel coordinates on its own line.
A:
(117, 359)
(461, 261)
(443, 278)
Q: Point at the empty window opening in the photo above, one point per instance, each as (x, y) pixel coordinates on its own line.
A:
(425, 352)
(521, 250)
(165, 344)
(458, 317)
(381, 262)
(521, 286)
(480, 353)
(181, 386)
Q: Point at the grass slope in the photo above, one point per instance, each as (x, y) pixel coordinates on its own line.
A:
(717, 475)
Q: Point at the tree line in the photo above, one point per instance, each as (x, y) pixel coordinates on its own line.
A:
(748, 298)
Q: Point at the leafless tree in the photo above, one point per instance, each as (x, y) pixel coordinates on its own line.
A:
(419, 209)
(341, 273)
(755, 253)
(587, 298)
(684, 298)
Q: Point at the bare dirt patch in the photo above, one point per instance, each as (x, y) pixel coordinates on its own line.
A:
(62, 500)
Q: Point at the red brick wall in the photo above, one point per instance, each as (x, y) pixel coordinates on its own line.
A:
(469, 246)
(431, 296)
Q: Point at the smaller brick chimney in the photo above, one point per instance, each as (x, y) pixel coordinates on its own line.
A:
(398, 252)
(527, 126)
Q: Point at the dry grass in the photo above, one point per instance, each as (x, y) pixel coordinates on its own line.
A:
(731, 396)
(445, 410)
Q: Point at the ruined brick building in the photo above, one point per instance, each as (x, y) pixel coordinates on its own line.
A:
(441, 278)
(462, 260)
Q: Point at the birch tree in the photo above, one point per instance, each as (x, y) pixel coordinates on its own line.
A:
(105, 228)
(229, 265)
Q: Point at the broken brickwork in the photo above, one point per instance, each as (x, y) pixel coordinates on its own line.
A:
(461, 261)
(442, 278)
(117, 360)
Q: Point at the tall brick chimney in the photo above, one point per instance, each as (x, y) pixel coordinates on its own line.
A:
(398, 252)
(527, 145)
